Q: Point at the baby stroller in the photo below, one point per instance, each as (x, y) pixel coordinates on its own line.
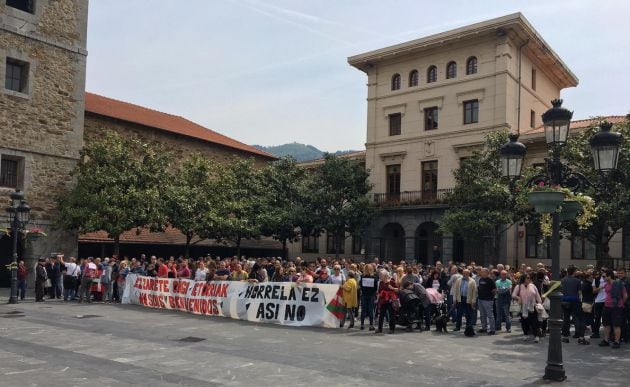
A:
(410, 311)
(438, 314)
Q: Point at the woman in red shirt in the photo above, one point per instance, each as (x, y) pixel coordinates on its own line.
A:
(387, 294)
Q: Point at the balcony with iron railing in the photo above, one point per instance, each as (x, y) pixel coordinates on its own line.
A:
(412, 198)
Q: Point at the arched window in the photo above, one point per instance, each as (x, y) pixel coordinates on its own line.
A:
(396, 82)
(413, 78)
(432, 74)
(471, 65)
(451, 70)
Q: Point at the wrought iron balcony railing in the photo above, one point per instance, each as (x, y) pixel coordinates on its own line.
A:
(410, 198)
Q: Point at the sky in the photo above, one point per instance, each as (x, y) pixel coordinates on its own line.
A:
(270, 72)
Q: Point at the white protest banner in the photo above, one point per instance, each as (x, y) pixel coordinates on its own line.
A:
(283, 303)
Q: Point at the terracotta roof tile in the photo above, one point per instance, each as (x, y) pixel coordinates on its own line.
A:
(172, 236)
(581, 124)
(125, 111)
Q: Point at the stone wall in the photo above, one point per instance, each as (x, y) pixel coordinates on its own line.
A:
(180, 146)
(42, 126)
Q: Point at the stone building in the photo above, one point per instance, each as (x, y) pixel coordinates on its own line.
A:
(44, 123)
(182, 138)
(42, 66)
(430, 103)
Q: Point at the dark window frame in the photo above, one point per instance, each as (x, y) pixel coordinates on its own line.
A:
(414, 78)
(9, 172)
(451, 70)
(532, 232)
(310, 244)
(625, 242)
(532, 119)
(330, 244)
(432, 74)
(13, 82)
(357, 244)
(22, 5)
(396, 81)
(471, 65)
(584, 247)
(429, 175)
(395, 124)
(392, 178)
(471, 111)
(431, 118)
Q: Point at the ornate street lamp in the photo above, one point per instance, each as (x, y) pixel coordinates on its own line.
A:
(18, 214)
(605, 148)
(512, 156)
(557, 121)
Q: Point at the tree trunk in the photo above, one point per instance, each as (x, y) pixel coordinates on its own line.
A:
(189, 236)
(336, 240)
(238, 247)
(117, 246)
(284, 250)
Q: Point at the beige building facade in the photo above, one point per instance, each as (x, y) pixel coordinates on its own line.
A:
(42, 67)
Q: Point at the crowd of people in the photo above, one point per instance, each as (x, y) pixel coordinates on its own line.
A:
(372, 291)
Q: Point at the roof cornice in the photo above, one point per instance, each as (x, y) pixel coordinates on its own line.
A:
(515, 21)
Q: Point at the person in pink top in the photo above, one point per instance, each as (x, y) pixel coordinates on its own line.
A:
(527, 296)
(616, 296)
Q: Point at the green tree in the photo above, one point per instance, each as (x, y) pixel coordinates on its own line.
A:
(192, 199)
(481, 204)
(337, 200)
(120, 186)
(611, 192)
(240, 189)
(283, 200)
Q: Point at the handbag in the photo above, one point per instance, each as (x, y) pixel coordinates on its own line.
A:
(547, 304)
(515, 308)
(48, 283)
(587, 307)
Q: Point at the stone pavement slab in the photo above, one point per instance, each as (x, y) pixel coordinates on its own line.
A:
(57, 344)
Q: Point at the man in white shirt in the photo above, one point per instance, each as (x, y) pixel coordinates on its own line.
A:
(70, 277)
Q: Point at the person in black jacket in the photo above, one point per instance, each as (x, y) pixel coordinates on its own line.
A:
(54, 274)
(40, 279)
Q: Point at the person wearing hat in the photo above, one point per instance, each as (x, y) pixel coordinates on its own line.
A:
(40, 280)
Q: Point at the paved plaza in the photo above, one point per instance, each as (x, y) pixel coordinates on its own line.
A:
(69, 344)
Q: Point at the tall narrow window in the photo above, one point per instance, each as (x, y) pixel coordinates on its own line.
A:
(413, 78)
(533, 79)
(22, 5)
(310, 244)
(16, 75)
(432, 74)
(451, 70)
(331, 241)
(471, 65)
(582, 248)
(532, 119)
(396, 82)
(395, 122)
(429, 179)
(471, 112)
(431, 118)
(9, 173)
(393, 180)
(357, 244)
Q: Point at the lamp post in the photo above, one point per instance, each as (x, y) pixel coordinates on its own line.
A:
(18, 213)
(605, 148)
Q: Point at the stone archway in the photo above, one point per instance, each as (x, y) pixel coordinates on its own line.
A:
(427, 236)
(393, 245)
